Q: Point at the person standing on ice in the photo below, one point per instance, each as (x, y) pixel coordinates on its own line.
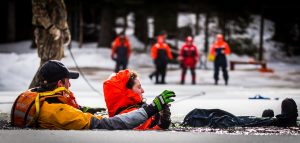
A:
(53, 106)
(188, 56)
(161, 54)
(120, 52)
(219, 52)
(123, 93)
(49, 17)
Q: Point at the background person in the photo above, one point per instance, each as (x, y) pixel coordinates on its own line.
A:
(161, 54)
(220, 50)
(188, 56)
(49, 18)
(120, 52)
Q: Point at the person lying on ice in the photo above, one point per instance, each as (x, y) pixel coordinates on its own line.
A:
(123, 93)
(217, 118)
(53, 105)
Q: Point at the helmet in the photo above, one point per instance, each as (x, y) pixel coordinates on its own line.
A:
(189, 39)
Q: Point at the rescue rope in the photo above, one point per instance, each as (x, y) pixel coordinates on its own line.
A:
(83, 76)
(191, 96)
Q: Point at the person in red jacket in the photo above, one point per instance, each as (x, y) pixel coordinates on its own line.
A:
(161, 54)
(220, 50)
(123, 93)
(120, 52)
(188, 56)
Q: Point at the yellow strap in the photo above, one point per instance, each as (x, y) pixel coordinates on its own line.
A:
(43, 94)
(59, 89)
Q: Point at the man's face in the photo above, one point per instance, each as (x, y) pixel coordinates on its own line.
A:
(137, 87)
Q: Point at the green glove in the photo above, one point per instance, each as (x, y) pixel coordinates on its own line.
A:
(163, 99)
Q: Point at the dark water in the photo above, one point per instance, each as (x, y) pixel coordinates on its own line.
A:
(241, 130)
(5, 125)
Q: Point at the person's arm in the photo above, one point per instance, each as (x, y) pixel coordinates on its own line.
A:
(169, 53)
(134, 118)
(125, 121)
(212, 50)
(113, 49)
(154, 52)
(227, 49)
(196, 54)
(40, 13)
(180, 56)
(129, 49)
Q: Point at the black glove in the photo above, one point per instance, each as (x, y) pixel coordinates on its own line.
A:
(165, 118)
(160, 102)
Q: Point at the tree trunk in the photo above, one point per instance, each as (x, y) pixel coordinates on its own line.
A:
(165, 21)
(11, 24)
(197, 29)
(206, 35)
(80, 38)
(107, 24)
(206, 42)
(125, 23)
(141, 26)
(222, 24)
(261, 39)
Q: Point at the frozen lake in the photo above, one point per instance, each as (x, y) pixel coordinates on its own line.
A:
(17, 70)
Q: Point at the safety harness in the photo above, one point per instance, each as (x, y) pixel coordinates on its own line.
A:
(24, 113)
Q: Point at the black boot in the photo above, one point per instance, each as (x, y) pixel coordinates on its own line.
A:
(289, 113)
(216, 82)
(182, 82)
(150, 76)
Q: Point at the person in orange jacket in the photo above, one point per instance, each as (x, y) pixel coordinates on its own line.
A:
(123, 93)
(220, 50)
(53, 106)
(188, 56)
(120, 52)
(161, 54)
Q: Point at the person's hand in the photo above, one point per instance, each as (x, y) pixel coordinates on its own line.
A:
(165, 118)
(55, 32)
(113, 57)
(67, 37)
(161, 101)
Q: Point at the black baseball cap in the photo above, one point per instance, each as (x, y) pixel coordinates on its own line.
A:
(53, 71)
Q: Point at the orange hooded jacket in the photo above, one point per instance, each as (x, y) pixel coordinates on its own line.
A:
(220, 43)
(160, 45)
(119, 99)
(117, 43)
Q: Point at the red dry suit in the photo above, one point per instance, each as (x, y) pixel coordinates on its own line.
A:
(188, 55)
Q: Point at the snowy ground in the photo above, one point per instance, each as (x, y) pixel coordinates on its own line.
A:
(19, 64)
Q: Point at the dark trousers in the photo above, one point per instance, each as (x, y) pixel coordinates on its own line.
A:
(184, 69)
(121, 65)
(220, 62)
(160, 73)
